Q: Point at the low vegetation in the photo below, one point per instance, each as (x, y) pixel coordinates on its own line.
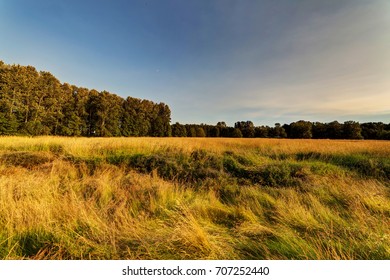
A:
(193, 198)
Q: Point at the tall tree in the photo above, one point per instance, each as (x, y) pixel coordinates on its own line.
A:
(37, 103)
(246, 127)
(104, 114)
(179, 130)
(70, 122)
(47, 109)
(160, 123)
(25, 92)
(8, 102)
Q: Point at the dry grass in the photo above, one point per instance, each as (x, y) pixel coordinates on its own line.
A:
(182, 198)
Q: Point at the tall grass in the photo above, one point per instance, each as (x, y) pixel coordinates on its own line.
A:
(177, 198)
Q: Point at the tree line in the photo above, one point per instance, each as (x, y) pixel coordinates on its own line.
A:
(295, 130)
(37, 103)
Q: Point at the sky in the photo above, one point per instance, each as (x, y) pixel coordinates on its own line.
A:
(266, 61)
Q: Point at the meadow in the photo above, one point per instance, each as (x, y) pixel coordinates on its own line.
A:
(193, 198)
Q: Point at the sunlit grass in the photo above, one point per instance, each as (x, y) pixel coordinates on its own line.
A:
(186, 198)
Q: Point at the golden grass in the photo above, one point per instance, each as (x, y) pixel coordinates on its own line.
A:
(87, 146)
(56, 205)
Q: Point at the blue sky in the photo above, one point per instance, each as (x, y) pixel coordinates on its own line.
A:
(267, 61)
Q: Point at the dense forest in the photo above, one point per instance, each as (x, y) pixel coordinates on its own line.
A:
(37, 103)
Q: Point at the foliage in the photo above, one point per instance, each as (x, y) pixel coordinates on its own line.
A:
(36, 103)
(301, 129)
(352, 130)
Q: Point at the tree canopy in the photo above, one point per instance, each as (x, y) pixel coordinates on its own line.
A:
(37, 103)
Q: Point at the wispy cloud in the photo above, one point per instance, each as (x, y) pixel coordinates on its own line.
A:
(334, 65)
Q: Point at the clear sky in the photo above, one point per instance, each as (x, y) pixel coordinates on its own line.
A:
(267, 60)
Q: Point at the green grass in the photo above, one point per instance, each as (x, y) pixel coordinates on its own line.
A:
(151, 198)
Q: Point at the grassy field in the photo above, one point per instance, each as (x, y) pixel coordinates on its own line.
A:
(193, 198)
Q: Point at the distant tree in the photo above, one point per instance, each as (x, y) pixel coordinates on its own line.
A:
(191, 131)
(334, 130)
(301, 129)
(80, 99)
(287, 129)
(69, 122)
(130, 119)
(246, 127)
(319, 130)
(385, 135)
(372, 130)
(200, 132)
(50, 99)
(8, 102)
(352, 130)
(179, 130)
(145, 118)
(209, 130)
(224, 130)
(236, 133)
(214, 131)
(261, 131)
(7, 124)
(92, 107)
(19, 86)
(277, 131)
(221, 124)
(160, 121)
